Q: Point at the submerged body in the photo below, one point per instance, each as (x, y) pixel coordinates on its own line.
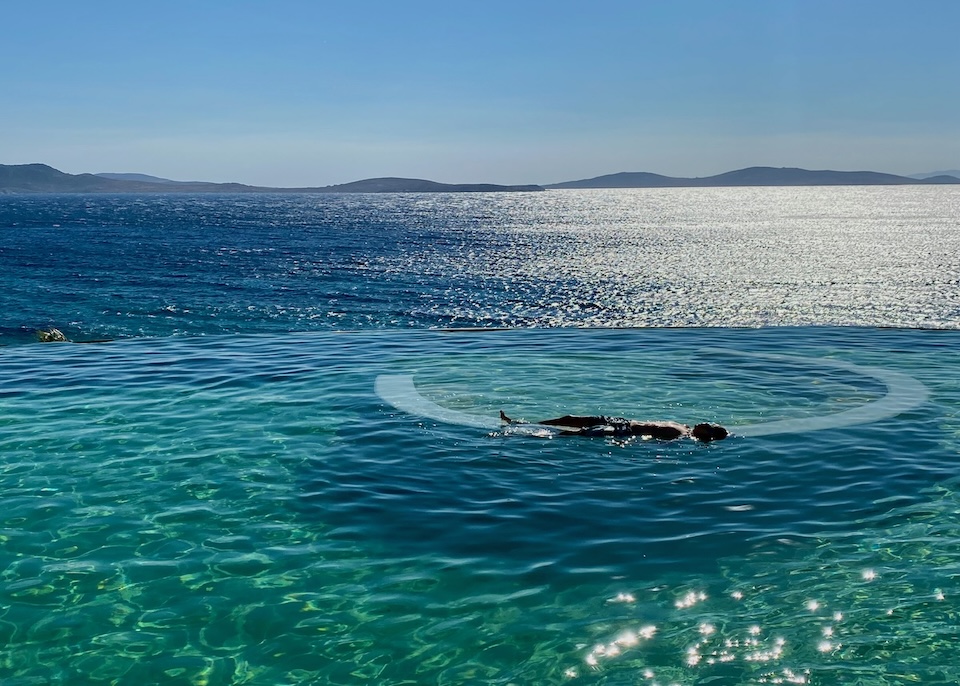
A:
(601, 425)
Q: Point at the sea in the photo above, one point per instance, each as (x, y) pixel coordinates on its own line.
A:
(270, 451)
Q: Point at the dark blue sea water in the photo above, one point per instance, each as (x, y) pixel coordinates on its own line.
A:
(282, 464)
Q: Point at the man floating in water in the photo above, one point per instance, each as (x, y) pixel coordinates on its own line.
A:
(579, 425)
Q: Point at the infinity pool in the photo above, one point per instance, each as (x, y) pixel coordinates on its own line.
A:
(228, 510)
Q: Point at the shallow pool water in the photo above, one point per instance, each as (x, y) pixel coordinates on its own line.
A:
(248, 509)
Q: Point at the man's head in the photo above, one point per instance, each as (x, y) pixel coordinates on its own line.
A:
(709, 432)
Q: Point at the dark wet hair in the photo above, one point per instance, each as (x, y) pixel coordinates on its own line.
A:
(709, 432)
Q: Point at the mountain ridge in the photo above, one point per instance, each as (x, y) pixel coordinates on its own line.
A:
(146, 178)
(42, 178)
(753, 176)
(945, 172)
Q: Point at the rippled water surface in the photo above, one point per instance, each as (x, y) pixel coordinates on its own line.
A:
(248, 510)
(107, 267)
(225, 494)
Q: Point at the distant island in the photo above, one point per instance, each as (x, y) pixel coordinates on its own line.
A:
(42, 178)
(927, 175)
(755, 176)
(396, 185)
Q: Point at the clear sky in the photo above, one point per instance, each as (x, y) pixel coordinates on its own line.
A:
(316, 92)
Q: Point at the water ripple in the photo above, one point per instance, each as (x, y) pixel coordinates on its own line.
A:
(165, 265)
(247, 510)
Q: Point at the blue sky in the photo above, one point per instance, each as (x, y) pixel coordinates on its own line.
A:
(306, 93)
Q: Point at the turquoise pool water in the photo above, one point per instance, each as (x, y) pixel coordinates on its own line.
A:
(247, 509)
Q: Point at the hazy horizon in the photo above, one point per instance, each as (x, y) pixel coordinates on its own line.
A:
(304, 94)
(134, 175)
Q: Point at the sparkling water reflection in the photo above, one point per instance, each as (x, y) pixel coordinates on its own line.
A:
(109, 267)
(247, 510)
(870, 606)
